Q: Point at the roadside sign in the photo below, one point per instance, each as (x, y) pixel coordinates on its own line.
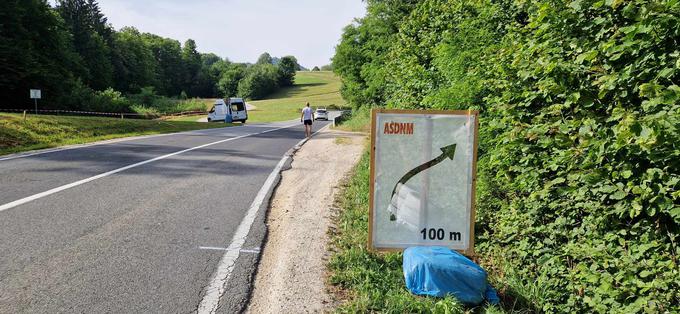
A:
(423, 173)
(35, 94)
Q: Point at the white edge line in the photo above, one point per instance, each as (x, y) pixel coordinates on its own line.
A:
(214, 248)
(216, 287)
(105, 174)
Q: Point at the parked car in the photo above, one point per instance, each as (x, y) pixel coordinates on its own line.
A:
(231, 110)
(321, 114)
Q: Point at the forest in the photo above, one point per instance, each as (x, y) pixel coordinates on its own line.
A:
(578, 196)
(80, 62)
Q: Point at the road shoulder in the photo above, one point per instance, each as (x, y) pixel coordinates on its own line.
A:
(291, 274)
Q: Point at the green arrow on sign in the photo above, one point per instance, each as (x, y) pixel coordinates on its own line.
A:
(447, 152)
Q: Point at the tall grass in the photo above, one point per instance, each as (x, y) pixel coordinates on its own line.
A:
(164, 106)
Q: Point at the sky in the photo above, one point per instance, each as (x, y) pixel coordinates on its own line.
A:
(241, 30)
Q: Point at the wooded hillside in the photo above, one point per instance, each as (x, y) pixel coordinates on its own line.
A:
(79, 61)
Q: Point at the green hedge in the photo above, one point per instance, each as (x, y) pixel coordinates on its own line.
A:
(579, 201)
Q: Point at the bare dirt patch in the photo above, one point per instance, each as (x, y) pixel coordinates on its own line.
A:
(291, 275)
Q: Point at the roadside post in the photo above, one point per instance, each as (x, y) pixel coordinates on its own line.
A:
(423, 174)
(35, 95)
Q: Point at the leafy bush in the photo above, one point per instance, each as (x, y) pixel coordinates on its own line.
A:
(110, 100)
(146, 97)
(190, 105)
(147, 112)
(163, 105)
(579, 170)
(229, 80)
(259, 81)
(583, 155)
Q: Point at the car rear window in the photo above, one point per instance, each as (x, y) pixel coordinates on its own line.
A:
(321, 111)
(237, 106)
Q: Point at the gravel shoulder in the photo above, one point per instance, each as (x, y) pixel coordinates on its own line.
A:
(291, 275)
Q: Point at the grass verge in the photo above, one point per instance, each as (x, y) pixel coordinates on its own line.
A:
(187, 118)
(43, 131)
(320, 89)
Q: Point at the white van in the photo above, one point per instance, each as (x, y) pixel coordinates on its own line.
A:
(234, 107)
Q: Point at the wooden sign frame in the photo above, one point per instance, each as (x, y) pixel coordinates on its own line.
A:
(374, 114)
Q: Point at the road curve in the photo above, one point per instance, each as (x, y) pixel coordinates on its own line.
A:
(82, 235)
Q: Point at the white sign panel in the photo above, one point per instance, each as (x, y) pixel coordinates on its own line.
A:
(423, 179)
(35, 94)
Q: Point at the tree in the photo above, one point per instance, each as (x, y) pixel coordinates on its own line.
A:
(265, 58)
(35, 52)
(91, 38)
(208, 59)
(361, 56)
(137, 66)
(259, 81)
(205, 84)
(192, 65)
(230, 77)
(168, 55)
(286, 70)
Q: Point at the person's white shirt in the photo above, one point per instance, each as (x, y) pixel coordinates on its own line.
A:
(307, 113)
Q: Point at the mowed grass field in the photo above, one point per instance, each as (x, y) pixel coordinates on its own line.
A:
(190, 118)
(45, 131)
(320, 89)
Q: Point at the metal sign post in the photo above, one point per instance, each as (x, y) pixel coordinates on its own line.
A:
(423, 173)
(35, 95)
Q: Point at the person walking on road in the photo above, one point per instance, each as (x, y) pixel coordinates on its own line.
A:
(306, 118)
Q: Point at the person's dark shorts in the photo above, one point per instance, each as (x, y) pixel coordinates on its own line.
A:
(308, 122)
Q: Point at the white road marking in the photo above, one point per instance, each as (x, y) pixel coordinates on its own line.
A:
(253, 250)
(99, 176)
(212, 248)
(250, 251)
(215, 289)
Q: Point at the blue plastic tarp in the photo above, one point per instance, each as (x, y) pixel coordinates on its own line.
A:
(439, 271)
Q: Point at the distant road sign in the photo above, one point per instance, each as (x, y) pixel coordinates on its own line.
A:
(35, 94)
(423, 173)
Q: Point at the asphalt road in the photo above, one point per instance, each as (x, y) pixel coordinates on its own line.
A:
(131, 241)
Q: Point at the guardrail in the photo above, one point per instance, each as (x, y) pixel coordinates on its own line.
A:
(344, 115)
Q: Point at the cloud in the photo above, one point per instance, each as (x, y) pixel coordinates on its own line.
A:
(241, 30)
